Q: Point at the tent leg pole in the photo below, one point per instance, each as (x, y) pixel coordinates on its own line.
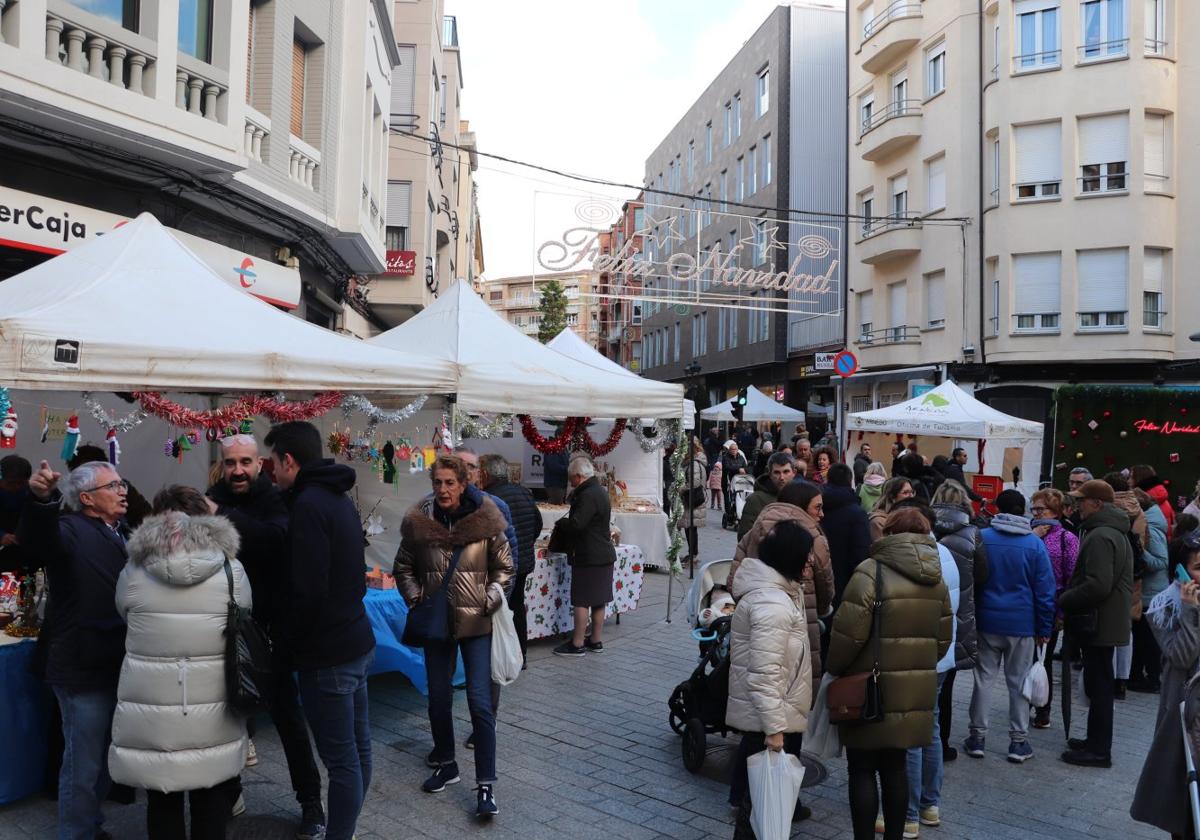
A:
(670, 588)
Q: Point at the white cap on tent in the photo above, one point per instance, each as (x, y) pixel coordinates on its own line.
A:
(759, 408)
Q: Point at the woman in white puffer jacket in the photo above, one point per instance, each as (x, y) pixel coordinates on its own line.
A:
(173, 731)
(770, 671)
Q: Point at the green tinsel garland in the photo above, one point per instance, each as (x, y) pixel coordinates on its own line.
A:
(675, 495)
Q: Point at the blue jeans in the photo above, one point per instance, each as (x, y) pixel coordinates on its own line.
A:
(335, 703)
(926, 768)
(83, 781)
(440, 661)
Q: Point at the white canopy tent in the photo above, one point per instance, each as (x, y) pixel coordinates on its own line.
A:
(759, 408)
(570, 344)
(136, 310)
(498, 369)
(949, 411)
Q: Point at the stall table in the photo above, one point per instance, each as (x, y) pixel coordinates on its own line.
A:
(647, 530)
(548, 590)
(387, 613)
(24, 718)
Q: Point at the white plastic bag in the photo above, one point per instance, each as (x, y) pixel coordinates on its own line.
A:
(775, 779)
(822, 738)
(506, 650)
(1036, 688)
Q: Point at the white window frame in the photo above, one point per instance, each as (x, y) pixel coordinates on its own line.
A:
(935, 69)
(1155, 27)
(1160, 181)
(737, 115)
(898, 198)
(1106, 319)
(728, 123)
(1043, 321)
(1154, 289)
(866, 209)
(866, 112)
(898, 91)
(935, 300)
(1096, 177)
(995, 194)
(865, 327)
(1040, 189)
(759, 228)
(763, 90)
(1105, 46)
(1043, 56)
(765, 153)
(934, 202)
(708, 142)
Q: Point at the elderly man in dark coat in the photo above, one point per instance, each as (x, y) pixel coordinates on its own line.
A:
(587, 534)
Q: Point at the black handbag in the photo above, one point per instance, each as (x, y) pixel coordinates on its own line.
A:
(856, 698)
(247, 658)
(428, 621)
(694, 497)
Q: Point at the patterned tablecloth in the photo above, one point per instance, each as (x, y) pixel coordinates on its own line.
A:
(548, 590)
(647, 530)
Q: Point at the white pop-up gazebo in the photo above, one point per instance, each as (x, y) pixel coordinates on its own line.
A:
(759, 408)
(949, 411)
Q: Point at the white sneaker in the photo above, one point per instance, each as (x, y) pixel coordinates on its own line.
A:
(239, 807)
(251, 753)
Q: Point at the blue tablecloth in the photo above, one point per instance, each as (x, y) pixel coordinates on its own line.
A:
(24, 709)
(388, 612)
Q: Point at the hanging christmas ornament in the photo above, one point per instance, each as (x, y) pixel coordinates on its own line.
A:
(246, 427)
(45, 424)
(1106, 414)
(212, 435)
(8, 429)
(1093, 425)
(1078, 456)
(1174, 458)
(114, 447)
(1074, 433)
(169, 448)
(193, 438)
(107, 421)
(71, 441)
(1062, 446)
(1124, 433)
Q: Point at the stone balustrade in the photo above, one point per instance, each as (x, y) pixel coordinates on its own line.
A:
(198, 95)
(258, 129)
(100, 56)
(303, 167)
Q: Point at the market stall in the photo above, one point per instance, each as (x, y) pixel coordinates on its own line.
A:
(759, 408)
(950, 412)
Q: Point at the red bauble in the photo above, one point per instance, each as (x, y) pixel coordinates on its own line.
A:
(1074, 433)
(1183, 411)
(1107, 414)
(1062, 446)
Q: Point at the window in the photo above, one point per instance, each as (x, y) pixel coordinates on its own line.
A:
(1103, 152)
(1103, 29)
(1154, 272)
(899, 87)
(733, 328)
(1155, 153)
(691, 160)
(708, 150)
(724, 191)
(722, 315)
(396, 239)
(195, 28)
(764, 321)
(765, 154)
(728, 122)
(695, 335)
(995, 195)
(1156, 27)
(739, 183)
(935, 69)
(1037, 34)
(759, 228)
(752, 316)
(496, 297)
(865, 324)
(572, 319)
(990, 269)
(899, 193)
(935, 300)
(1102, 277)
(737, 115)
(299, 62)
(678, 330)
(398, 213)
(1036, 284)
(866, 112)
(996, 51)
(123, 12)
(763, 98)
(866, 208)
(733, 250)
(898, 306)
(1039, 160)
(751, 171)
(703, 333)
(935, 183)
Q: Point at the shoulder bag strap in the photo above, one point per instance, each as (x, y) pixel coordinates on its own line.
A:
(876, 612)
(454, 558)
(229, 579)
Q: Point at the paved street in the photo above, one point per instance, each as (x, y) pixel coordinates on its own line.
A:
(585, 752)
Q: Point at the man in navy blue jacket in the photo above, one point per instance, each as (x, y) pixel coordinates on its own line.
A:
(1013, 609)
(845, 526)
(331, 640)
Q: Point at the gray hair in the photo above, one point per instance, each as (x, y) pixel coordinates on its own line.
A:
(494, 467)
(875, 468)
(767, 446)
(950, 492)
(582, 467)
(82, 479)
(1082, 471)
(781, 458)
(458, 450)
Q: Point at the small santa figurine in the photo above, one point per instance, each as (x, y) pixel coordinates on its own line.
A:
(8, 430)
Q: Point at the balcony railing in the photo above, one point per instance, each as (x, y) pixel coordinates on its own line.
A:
(1155, 47)
(127, 63)
(898, 108)
(896, 10)
(880, 224)
(198, 90)
(1037, 61)
(890, 335)
(1104, 49)
(258, 129)
(304, 163)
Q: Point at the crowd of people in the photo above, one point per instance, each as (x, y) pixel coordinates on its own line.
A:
(905, 579)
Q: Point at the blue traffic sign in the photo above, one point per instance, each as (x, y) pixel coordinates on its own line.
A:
(846, 364)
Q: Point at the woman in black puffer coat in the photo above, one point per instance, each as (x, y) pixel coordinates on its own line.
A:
(955, 530)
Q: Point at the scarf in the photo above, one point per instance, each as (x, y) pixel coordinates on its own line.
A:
(1164, 608)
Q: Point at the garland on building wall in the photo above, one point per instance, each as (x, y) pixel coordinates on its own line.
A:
(277, 411)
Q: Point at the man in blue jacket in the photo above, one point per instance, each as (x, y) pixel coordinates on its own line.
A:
(1013, 610)
(331, 640)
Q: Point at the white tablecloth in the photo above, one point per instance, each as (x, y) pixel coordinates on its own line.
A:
(648, 531)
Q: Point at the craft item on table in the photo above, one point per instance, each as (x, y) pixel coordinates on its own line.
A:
(389, 463)
(30, 593)
(114, 447)
(8, 429)
(416, 460)
(379, 579)
(71, 441)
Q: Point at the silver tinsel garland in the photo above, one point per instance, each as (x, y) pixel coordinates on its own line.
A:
(101, 416)
(664, 434)
(675, 494)
(482, 429)
(352, 403)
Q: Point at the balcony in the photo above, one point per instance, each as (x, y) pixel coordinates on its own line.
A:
(890, 34)
(890, 238)
(886, 132)
(258, 129)
(890, 335)
(100, 49)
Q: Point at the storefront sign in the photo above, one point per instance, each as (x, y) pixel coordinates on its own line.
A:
(36, 223)
(401, 264)
(824, 361)
(1170, 427)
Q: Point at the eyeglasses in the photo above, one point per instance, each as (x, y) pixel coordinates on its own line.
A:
(238, 439)
(1038, 509)
(118, 486)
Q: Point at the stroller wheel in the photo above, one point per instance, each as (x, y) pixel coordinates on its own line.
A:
(694, 746)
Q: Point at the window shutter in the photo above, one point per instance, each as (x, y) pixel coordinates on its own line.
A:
(1156, 144)
(399, 203)
(898, 293)
(1039, 153)
(1104, 139)
(250, 51)
(1036, 282)
(865, 315)
(899, 184)
(297, 124)
(937, 183)
(1153, 270)
(403, 79)
(1025, 6)
(1103, 280)
(935, 296)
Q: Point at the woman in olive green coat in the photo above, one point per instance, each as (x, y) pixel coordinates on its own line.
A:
(916, 623)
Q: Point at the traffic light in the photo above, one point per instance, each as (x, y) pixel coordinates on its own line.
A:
(739, 403)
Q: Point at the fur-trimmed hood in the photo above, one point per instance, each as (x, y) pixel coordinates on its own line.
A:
(482, 524)
(183, 550)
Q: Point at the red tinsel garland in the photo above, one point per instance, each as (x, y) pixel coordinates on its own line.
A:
(599, 449)
(549, 446)
(155, 403)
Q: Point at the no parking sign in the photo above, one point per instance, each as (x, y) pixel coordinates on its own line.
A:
(845, 364)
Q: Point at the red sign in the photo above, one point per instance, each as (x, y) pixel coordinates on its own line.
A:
(846, 364)
(989, 487)
(1170, 427)
(401, 264)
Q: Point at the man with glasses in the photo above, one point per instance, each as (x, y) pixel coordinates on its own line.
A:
(84, 551)
(247, 498)
(1076, 479)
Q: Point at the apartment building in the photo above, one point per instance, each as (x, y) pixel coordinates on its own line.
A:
(765, 139)
(619, 332)
(257, 127)
(1057, 146)
(517, 299)
(432, 213)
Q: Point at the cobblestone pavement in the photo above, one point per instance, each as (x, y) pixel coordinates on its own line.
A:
(585, 752)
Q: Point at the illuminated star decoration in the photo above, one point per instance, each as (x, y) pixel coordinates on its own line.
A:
(652, 227)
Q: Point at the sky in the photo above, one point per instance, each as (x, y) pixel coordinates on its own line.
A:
(585, 87)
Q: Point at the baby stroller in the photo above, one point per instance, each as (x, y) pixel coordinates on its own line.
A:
(741, 487)
(697, 705)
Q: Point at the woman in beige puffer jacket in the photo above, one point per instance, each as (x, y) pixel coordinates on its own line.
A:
(770, 688)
